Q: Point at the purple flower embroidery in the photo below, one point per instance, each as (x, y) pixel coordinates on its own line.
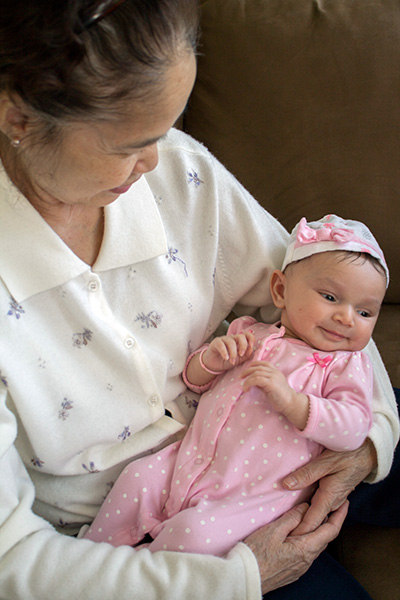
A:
(191, 402)
(37, 462)
(62, 523)
(3, 379)
(91, 468)
(109, 486)
(125, 434)
(82, 339)
(172, 257)
(152, 319)
(194, 178)
(15, 309)
(66, 405)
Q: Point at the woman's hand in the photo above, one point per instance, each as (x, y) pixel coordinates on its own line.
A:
(283, 557)
(338, 473)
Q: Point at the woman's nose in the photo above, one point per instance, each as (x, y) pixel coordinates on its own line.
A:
(147, 159)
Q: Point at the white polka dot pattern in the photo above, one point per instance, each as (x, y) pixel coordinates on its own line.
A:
(223, 480)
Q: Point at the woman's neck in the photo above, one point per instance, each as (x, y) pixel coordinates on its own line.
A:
(80, 227)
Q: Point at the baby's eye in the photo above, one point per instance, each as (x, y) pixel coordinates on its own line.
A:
(364, 313)
(329, 297)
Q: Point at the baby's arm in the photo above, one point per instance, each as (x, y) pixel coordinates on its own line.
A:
(222, 354)
(340, 420)
(293, 405)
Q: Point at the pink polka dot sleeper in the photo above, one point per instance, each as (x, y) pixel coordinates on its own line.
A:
(223, 480)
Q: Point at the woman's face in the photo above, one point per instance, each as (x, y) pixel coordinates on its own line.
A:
(95, 163)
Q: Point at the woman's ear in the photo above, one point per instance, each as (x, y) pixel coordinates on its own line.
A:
(277, 287)
(13, 117)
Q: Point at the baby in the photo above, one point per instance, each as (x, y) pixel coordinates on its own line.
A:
(273, 397)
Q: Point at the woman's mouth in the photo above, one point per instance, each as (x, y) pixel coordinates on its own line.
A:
(122, 189)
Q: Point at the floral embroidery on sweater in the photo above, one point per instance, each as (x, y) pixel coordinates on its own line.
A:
(194, 178)
(16, 309)
(66, 405)
(125, 434)
(82, 339)
(3, 379)
(91, 468)
(152, 319)
(172, 257)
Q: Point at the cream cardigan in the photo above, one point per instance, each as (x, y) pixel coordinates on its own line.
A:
(90, 358)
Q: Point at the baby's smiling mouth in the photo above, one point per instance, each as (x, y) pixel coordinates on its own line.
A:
(334, 334)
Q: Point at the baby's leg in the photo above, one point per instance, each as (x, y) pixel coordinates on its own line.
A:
(135, 503)
(210, 527)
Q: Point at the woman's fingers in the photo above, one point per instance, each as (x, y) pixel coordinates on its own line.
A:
(338, 473)
(284, 557)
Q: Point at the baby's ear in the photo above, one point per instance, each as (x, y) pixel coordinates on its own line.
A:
(277, 287)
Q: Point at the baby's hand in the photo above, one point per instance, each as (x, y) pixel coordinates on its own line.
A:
(284, 399)
(228, 351)
(271, 380)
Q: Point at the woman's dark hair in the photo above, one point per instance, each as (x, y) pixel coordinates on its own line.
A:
(64, 71)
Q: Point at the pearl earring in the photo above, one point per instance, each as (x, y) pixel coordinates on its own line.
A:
(15, 142)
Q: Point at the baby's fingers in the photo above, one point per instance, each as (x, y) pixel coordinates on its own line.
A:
(258, 367)
(257, 379)
(239, 347)
(245, 344)
(220, 347)
(227, 348)
(249, 342)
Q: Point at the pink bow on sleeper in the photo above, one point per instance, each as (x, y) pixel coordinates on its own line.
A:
(322, 362)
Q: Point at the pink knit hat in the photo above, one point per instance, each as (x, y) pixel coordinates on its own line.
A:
(332, 233)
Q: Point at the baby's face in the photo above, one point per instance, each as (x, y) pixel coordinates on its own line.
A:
(332, 302)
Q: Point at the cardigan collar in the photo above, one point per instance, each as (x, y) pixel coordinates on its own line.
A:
(33, 258)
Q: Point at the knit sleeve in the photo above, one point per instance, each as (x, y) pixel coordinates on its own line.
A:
(38, 563)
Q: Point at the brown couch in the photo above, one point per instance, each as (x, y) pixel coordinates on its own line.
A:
(300, 99)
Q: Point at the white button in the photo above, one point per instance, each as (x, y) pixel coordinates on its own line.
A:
(129, 342)
(93, 285)
(153, 400)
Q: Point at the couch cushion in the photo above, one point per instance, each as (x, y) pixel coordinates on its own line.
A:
(372, 555)
(300, 99)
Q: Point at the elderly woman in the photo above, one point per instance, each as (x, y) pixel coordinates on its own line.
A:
(124, 245)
